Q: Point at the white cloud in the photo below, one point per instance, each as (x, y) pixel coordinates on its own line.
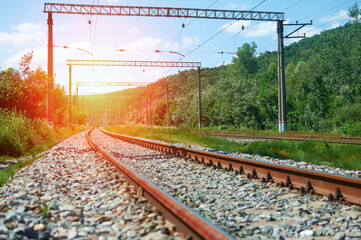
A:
(26, 35)
(232, 5)
(134, 29)
(339, 16)
(171, 46)
(148, 44)
(187, 41)
(113, 1)
(224, 63)
(251, 28)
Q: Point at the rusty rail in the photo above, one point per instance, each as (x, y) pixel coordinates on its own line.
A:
(334, 186)
(341, 140)
(185, 219)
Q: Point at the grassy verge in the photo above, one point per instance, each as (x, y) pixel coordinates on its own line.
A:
(56, 135)
(322, 153)
(8, 173)
(275, 133)
(59, 135)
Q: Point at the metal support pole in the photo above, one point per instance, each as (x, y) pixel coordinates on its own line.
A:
(282, 124)
(150, 109)
(140, 111)
(50, 96)
(106, 117)
(70, 123)
(199, 99)
(167, 115)
(77, 106)
(146, 112)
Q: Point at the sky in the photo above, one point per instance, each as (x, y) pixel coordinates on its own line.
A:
(23, 28)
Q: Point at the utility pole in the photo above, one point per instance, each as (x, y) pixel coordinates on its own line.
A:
(167, 114)
(282, 111)
(282, 122)
(150, 109)
(70, 123)
(140, 111)
(199, 99)
(77, 106)
(106, 116)
(146, 112)
(50, 96)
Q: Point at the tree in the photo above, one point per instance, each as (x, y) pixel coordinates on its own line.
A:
(246, 60)
(25, 63)
(25, 90)
(354, 12)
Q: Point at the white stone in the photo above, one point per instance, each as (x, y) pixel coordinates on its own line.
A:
(306, 233)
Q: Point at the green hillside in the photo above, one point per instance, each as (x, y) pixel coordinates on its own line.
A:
(323, 87)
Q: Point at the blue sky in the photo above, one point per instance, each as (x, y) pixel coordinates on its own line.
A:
(23, 28)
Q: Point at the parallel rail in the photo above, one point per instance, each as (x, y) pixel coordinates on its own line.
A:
(185, 219)
(342, 140)
(334, 186)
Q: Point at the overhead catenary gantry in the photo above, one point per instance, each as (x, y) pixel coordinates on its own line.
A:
(141, 11)
(127, 63)
(111, 10)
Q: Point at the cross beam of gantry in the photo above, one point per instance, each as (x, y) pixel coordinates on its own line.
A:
(135, 84)
(110, 10)
(133, 63)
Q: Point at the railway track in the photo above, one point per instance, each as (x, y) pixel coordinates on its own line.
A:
(237, 135)
(236, 206)
(187, 221)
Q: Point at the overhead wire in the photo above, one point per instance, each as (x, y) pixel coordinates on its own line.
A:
(318, 13)
(293, 4)
(223, 29)
(327, 10)
(220, 31)
(186, 25)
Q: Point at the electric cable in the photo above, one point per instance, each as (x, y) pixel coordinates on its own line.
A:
(186, 25)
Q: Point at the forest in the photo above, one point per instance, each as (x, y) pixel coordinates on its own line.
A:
(323, 88)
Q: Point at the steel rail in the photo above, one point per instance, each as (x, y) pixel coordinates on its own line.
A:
(341, 140)
(185, 219)
(334, 186)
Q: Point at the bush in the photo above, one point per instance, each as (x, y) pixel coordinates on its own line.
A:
(351, 128)
(18, 133)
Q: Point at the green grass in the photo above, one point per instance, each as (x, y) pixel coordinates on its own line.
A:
(8, 173)
(323, 153)
(274, 132)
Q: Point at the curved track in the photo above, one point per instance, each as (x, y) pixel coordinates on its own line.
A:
(336, 187)
(186, 220)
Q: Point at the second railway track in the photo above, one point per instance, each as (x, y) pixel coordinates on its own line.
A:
(243, 207)
(297, 138)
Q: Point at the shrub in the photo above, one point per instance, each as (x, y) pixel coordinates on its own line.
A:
(351, 128)
(18, 133)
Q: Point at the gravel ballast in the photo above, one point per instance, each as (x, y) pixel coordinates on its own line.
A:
(247, 209)
(73, 193)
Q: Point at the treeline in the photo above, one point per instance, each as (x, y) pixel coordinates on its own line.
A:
(23, 123)
(323, 87)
